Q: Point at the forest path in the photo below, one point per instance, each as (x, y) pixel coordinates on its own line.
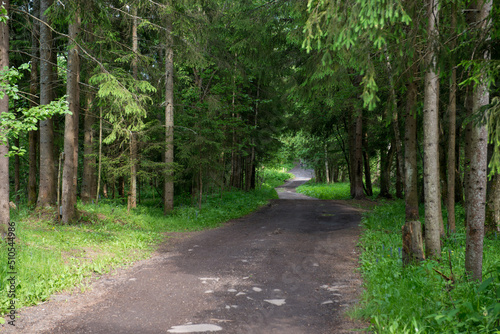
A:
(287, 268)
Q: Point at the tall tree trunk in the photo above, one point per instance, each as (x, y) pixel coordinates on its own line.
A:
(69, 212)
(17, 179)
(34, 84)
(168, 203)
(89, 160)
(368, 175)
(133, 136)
(358, 158)
(47, 190)
(476, 186)
(412, 229)
(4, 147)
(431, 140)
(452, 113)
(385, 172)
(411, 170)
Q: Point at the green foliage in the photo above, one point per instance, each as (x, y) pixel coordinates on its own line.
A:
(417, 299)
(338, 191)
(22, 119)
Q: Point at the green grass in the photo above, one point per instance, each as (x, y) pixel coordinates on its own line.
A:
(51, 257)
(337, 191)
(417, 299)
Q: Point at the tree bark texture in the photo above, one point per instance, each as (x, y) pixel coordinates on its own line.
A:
(4, 147)
(431, 140)
(47, 187)
(411, 171)
(88, 177)
(168, 201)
(69, 212)
(357, 163)
(452, 113)
(133, 136)
(476, 185)
(412, 243)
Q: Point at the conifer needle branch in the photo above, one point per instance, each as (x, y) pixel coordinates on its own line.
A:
(101, 65)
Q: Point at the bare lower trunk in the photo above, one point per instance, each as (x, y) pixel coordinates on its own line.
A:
(89, 160)
(385, 172)
(168, 203)
(431, 141)
(71, 128)
(357, 163)
(452, 112)
(34, 84)
(476, 187)
(411, 170)
(4, 148)
(132, 201)
(47, 190)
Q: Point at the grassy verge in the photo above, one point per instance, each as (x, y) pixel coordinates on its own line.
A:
(337, 191)
(418, 299)
(51, 257)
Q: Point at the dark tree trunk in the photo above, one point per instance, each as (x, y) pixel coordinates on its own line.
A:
(34, 84)
(385, 172)
(69, 212)
(48, 188)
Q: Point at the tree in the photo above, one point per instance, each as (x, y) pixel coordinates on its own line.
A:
(476, 185)
(47, 186)
(69, 189)
(168, 195)
(4, 108)
(431, 138)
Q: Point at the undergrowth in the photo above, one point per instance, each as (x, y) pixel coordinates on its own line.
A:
(337, 191)
(418, 299)
(51, 257)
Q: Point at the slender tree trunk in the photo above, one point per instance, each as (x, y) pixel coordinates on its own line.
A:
(133, 136)
(327, 169)
(47, 190)
(100, 159)
(4, 147)
(89, 160)
(476, 186)
(368, 177)
(69, 212)
(358, 158)
(452, 112)
(411, 170)
(431, 140)
(34, 84)
(168, 203)
(385, 172)
(412, 229)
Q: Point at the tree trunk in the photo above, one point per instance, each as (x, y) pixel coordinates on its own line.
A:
(411, 170)
(399, 178)
(476, 186)
(34, 83)
(452, 112)
(4, 147)
(69, 212)
(385, 172)
(431, 140)
(493, 204)
(168, 203)
(357, 163)
(88, 177)
(412, 229)
(47, 190)
(368, 177)
(133, 136)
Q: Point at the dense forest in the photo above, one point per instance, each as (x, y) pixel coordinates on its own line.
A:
(140, 99)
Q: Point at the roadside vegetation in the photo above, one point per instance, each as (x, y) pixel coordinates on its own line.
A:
(51, 257)
(433, 297)
(338, 190)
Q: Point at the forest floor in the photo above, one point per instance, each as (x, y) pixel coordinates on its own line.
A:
(288, 268)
